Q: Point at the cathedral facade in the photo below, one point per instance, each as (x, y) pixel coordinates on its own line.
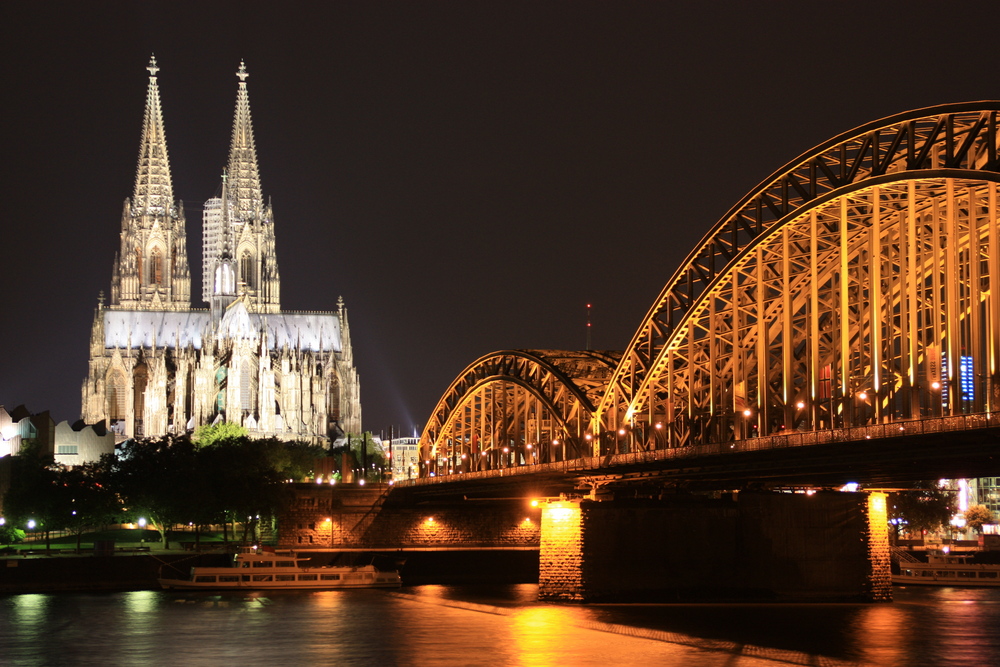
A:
(159, 366)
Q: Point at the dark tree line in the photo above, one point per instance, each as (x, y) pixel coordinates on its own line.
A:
(168, 480)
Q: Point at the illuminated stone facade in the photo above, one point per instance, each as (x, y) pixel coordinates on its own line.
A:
(159, 366)
(348, 515)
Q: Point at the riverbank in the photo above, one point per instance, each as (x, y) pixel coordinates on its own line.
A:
(66, 573)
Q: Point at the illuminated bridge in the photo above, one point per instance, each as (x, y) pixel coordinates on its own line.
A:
(841, 321)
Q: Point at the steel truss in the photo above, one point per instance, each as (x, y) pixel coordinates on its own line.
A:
(858, 285)
(516, 407)
(793, 262)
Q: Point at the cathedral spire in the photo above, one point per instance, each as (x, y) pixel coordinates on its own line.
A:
(244, 186)
(151, 269)
(153, 189)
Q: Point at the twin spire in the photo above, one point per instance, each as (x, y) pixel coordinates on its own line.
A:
(153, 188)
(237, 229)
(244, 178)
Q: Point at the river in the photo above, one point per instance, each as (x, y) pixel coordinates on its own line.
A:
(502, 625)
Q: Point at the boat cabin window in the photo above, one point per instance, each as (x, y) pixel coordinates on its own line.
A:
(245, 563)
(284, 577)
(262, 577)
(307, 577)
(284, 563)
(945, 573)
(330, 577)
(205, 578)
(228, 578)
(263, 563)
(987, 575)
(967, 575)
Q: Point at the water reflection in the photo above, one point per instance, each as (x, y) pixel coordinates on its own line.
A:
(441, 625)
(881, 634)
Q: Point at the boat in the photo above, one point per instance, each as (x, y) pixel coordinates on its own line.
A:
(254, 568)
(946, 569)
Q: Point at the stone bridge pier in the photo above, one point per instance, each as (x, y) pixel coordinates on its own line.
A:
(825, 546)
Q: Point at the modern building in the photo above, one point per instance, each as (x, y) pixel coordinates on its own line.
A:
(405, 456)
(20, 425)
(81, 443)
(158, 365)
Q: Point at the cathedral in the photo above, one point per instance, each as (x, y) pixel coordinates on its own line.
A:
(159, 366)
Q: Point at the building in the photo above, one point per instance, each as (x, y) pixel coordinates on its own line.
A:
(159, 366)
(81, 443)
(20, 425)
(405, 455)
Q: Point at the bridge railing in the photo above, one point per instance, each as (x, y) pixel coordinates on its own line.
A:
(896, 429)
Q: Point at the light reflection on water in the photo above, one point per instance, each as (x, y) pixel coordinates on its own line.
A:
(447, 626)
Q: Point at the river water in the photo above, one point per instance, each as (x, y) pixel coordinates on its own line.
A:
(448, 626)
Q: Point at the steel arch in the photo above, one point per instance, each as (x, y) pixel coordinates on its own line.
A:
(953, 141)
(516, 406)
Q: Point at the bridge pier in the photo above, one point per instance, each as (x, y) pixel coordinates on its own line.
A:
(829, 546)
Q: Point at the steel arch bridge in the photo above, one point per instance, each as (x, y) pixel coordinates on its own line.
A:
(517, 407)
(857, 285)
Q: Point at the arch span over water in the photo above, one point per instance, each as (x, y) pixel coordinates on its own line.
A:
(858, 284)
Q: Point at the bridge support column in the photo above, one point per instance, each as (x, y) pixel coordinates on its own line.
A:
(829, 546)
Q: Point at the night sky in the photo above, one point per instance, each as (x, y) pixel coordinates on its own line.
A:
(467, 175)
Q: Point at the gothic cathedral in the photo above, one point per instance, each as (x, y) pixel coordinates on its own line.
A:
(159, 366)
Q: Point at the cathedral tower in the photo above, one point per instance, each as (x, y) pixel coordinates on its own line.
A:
(240, 233)
(159, 366)
(151, 268)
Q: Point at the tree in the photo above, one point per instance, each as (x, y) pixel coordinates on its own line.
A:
(154, 477)
(926, 506)
(209, 434)
(34, 494)
(249, 480)
(977, 515)
(11, 534)
(88, 500)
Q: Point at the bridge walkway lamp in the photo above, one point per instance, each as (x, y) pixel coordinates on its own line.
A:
(747, 424)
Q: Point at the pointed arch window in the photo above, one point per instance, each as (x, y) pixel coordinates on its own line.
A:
(140, 378)
(156, 267)
(246, 386)
(116, 396)
(332, 397)
(246, 269)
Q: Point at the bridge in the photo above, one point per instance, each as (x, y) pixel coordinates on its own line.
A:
(854, 289)
(840, 323)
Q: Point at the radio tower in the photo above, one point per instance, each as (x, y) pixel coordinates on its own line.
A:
(588, 327)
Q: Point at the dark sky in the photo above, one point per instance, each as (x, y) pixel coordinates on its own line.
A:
(467, 175)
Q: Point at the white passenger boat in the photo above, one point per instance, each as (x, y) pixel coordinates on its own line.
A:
(255, 569)
(948, 570)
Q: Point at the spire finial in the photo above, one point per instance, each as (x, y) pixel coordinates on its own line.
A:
(242, 72)
(153, 69)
